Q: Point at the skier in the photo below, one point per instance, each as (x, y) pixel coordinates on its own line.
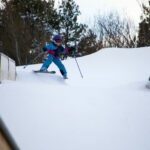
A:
(54, 49)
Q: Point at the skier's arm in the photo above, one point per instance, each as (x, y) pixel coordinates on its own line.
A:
(44, 49)
(63, 51)
(66, 51)
(47, 48)
(71, 49)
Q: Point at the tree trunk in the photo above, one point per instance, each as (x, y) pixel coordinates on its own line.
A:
(17, 52)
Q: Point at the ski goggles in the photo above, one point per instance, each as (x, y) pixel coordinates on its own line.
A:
(58, 41)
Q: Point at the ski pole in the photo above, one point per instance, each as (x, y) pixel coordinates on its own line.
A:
(34, 59)
(77, 64)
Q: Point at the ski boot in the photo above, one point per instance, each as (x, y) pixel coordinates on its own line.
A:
(43, 69)
(65, 77)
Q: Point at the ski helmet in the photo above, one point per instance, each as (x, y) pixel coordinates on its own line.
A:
(57, 37)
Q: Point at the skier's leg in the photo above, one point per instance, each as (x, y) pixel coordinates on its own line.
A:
(61, 67)
(47, 62)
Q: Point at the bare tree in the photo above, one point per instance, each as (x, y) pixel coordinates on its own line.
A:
(114, 31)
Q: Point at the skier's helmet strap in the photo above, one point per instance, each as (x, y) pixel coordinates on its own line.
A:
(57, 37)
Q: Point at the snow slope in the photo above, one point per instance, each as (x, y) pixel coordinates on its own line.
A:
(106, 110)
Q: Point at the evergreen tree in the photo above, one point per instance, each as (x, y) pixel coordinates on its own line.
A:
(25, 27)
(144, 28)
(69, 27)
(89, 44)
(38, 10)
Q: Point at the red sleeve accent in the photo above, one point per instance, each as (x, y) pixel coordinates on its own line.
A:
(66, 51)
(57, 56)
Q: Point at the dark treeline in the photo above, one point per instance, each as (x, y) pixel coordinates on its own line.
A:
(27, 25)
(144, 27)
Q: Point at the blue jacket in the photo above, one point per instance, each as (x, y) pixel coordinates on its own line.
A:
(55, 50)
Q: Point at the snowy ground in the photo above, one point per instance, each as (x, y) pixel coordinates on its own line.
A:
(109, 109)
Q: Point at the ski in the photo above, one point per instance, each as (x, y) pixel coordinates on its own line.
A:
(51, 72)
(38, 71)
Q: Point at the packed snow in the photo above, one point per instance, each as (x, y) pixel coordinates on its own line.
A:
(109, 109)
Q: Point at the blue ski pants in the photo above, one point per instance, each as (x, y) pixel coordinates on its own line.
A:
(51, 58)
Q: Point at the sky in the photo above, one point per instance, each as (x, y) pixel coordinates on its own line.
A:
(92, 8)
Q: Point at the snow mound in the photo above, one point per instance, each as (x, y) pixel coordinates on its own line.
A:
(28, 76)
(105, 68)
(107, 109)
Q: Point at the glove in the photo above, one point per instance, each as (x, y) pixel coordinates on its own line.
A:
(71, 49)
(44, 49)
